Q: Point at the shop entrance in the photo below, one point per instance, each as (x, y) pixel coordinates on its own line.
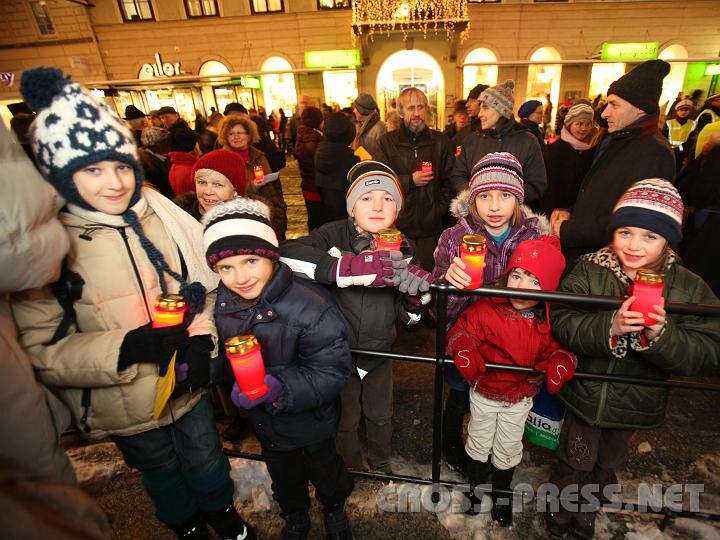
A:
(412, 68)
(544, 79)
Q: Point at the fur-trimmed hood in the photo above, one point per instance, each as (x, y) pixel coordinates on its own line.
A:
(460, 208)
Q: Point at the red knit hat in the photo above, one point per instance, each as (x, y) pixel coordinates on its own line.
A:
(542, 258)
(227, 163)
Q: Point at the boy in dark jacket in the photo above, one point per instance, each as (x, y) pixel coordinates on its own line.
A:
(340, 254)
(305, 351)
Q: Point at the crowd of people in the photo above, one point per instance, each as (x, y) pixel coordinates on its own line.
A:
(144, 207)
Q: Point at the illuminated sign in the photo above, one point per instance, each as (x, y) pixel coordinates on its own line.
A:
(328, 59)
(712, 69)
(160, 68)
(629, 51)
(247, 82)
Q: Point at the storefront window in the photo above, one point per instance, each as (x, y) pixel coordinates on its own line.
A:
(602, 76)
(340, 87)
(673, 82)
(474, 75)
(544, 79)
(123, 98)
(278, 88)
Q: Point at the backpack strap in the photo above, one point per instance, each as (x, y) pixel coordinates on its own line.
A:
(67, 290)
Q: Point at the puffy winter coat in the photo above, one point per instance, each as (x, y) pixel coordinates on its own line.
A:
(118, 296)
(305, 148)
(304, 345)
(690, 345)
(181, 179)
(425, 207)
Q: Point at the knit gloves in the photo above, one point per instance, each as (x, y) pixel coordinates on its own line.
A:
(192, 365)
(466, 356)
(275, 389)
(559, 368)
(370, 269)
(152, 346)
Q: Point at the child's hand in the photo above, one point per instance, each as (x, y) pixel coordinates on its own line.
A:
(456, 274)
(652, 332)
(467, 358)
(275, 388)
(627, 321)
(559, 369)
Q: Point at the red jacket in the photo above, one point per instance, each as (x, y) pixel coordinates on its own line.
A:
(181, 180)
(502, 336)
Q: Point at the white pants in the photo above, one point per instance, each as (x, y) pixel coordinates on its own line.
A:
(496, 428)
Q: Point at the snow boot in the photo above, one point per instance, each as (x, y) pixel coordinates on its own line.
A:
(297, 526)
(228, 524)
(478, 474)
(502, 503)
(456, 406)
(583, 525)
(192, 529)
(558, 523)
(337, 526)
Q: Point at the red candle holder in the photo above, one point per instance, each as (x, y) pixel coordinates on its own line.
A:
(647, 288)
(259, 174)
(247, 364)
(169, 310)
(426, 166)
(389, 239)
(472, 253)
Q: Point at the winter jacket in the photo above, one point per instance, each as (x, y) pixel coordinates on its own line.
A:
(369, 135)
(504, 336)
(181, 178)
(305, 147)
(496, 258)
(370, 312)
(623, 157)
(509, 137)
(424, 208)
(118, 295)
(689, 346)
(534, 128)
(565, 167)
(304, 345)
(271, 192)
(156, 168)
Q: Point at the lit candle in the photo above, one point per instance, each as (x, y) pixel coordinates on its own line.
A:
(169, 310)
(247, 364)
(259, 174)
(389, 239)
(426, 166)
(472, 253)
(647, 289)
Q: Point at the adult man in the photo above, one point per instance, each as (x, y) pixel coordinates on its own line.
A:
(459, 119)
(170, 117)
(473, 108)
(235, 108)
(136, 120)
(408, 151)
(632, 150)
(679, 129)
(369, 126)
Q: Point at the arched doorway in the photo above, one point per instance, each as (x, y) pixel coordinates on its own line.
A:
(279, 88)
(474, 75)
(602, 76)
(673, 82)
(544, 79)
(412, 68)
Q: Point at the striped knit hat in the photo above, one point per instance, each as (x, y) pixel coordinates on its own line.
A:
(368, 176)
(500, 98)
(497, 170)
(579, 111)
(239, 226)
(652, 204)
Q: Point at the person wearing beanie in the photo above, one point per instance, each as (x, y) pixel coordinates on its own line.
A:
(136, 120)
(513, 332)
(531, 116)
(153, 155)
(651, 344)
(239, 134)
(170, 117)
(632, 149)
(374, 289)
(458, 120)
(679, 129)
(333, 160)
(568, 158)
(491, 207)
(306, 143)
(499, 132)
(303, 341)
(369, 127)
(235, 108)
(473, 107)
(422, 159)
(183, 154)
(102, 354)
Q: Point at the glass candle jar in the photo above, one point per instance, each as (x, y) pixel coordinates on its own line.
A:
(169, 310)
(426, 166)
(647, 289)
(247, 364)
(472, 253)
(259, 174)
(389, 239)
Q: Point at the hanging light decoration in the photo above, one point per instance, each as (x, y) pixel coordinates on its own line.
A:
(385, 16)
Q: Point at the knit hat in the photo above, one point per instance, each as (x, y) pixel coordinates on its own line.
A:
(228, 164)
(365, 104)
(167, 109)
(477, 90)
(500, 98)
(235, 107)
(527, 108)
(368, 176)
(153, 136)
(73, 130)
(339, 129)
(652, 204)
(239, 226)
(182, 139)
(579, 111)
(684, 104)
(133, 113)
(642, 85)
(311, 117)
(497, 170)
(542, 258)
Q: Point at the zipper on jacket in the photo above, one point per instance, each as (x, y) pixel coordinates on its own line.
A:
(122, 232)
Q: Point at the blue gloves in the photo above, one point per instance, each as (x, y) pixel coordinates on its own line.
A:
(275, 389)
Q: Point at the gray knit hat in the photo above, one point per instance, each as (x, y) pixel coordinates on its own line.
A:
(500, 98)
(579, 111)
(369, 176)
(365, 104)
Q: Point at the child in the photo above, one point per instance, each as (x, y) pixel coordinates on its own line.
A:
(101, 353)
(338, 253)
(514, 332)
(601, 416)
(491, 207)
(304, 347)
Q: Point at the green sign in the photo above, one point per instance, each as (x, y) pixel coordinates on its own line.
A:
(629, 51)
(328, 59)
(247, 82)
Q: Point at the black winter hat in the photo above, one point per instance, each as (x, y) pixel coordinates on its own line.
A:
(339, 129)
(182, 139)
(475, 92)
(642, 85)
(133, 113)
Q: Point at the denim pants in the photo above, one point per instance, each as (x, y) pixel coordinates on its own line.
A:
(184, 468)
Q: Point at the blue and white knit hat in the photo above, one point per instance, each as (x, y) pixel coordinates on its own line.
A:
(497, 170)
(73, 130)
(239, 226)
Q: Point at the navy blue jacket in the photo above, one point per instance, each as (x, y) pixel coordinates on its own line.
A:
(304, 345)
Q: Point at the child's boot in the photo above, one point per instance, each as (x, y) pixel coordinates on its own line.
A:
(478, 472)
(558, 523)
(453, 417)
(228, 524)
(336, 525)
(192, 529)
(502, 503)
(297, 526)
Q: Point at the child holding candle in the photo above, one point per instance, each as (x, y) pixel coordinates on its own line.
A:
(601, 416)
(514, 332)
(492, 208)
(303, 344)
